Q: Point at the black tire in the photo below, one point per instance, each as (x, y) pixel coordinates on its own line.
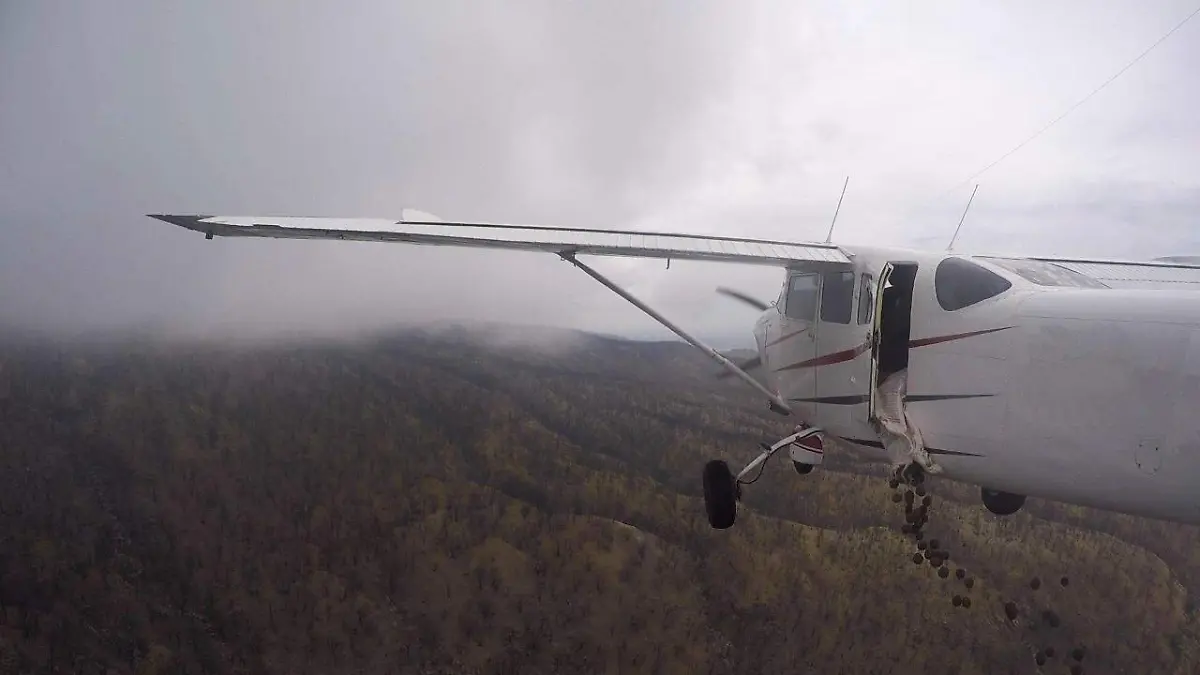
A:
(802, 468)
(1001, 503)
(720, 495)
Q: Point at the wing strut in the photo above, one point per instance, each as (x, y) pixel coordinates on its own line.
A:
(777, 404)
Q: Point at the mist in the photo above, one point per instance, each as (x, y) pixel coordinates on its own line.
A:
(739, 120)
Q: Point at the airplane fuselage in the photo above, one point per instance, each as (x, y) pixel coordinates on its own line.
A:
(1050, 386)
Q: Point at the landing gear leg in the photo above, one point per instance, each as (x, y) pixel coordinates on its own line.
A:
(722, 490)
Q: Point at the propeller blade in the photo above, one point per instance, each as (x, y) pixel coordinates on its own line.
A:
(747, 365)
(738, 295)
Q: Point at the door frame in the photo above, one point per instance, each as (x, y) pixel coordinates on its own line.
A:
(896, 280)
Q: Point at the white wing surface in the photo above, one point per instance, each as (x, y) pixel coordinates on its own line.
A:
(1159, 274)
(558, 240)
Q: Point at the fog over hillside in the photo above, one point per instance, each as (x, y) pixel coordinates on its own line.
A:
(447, 501)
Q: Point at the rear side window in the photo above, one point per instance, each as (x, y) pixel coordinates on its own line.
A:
(837, 297)
(961, 283)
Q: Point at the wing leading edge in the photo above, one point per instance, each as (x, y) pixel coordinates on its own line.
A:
(557, 240)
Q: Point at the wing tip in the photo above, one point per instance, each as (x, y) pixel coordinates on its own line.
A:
(188, 222)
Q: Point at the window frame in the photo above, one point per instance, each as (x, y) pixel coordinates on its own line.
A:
(866, 299)
(943, 290)
(787, 297)
(847, 306)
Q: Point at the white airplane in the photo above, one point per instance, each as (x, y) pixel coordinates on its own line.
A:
(1066, 379)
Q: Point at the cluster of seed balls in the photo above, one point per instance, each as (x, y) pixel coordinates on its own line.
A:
(916, 517)
(1051, 619)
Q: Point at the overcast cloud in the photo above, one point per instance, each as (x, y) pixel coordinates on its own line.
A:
(729, 118)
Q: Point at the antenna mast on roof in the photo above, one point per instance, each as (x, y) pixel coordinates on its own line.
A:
(964, 217)
(829, 237)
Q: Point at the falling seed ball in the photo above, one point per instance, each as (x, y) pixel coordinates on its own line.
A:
(920, 491)
(970, 582)
(957, 601)
(1064, 581)
(1050, 652)
(960, 573)
(936, 562)
(934, 543)
(1010, 610)
(893, 483)
(928, 554)
(1077, 653)
(917, 559)
(1040, 658)
(1035, 583)
(896, 497)
(1076, 669)
(927, 501)
(920, 535)
(1050, 617)
(966, 603)
(944, 572)
(908, 498)
(921, 546)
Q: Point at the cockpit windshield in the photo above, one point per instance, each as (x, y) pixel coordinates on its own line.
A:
(1044, 273)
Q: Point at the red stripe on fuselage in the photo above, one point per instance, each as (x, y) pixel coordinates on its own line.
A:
(788, 336)
(828, 359)
(938, 339)
(850, 354)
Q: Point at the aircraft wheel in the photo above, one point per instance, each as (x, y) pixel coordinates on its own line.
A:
(802, 468)
(720, 495)
(1001, 503)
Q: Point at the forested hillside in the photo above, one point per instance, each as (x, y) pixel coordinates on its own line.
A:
(450, 502)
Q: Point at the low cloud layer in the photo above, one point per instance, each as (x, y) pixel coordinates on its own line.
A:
(740, 119)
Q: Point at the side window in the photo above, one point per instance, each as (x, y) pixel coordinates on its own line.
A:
(866, 299)
(961, 283)
(837, 297)
(802, 297)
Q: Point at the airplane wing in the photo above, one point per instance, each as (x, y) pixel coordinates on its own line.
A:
(561, 241)
(1155, 274)
(558, 240)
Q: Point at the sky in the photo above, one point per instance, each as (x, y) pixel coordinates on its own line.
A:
(738, 119)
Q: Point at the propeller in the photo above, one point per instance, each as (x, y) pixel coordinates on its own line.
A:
(754, 362)
(738, 295)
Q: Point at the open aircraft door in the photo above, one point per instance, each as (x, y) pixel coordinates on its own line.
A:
(890, 334)
(877, 313)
